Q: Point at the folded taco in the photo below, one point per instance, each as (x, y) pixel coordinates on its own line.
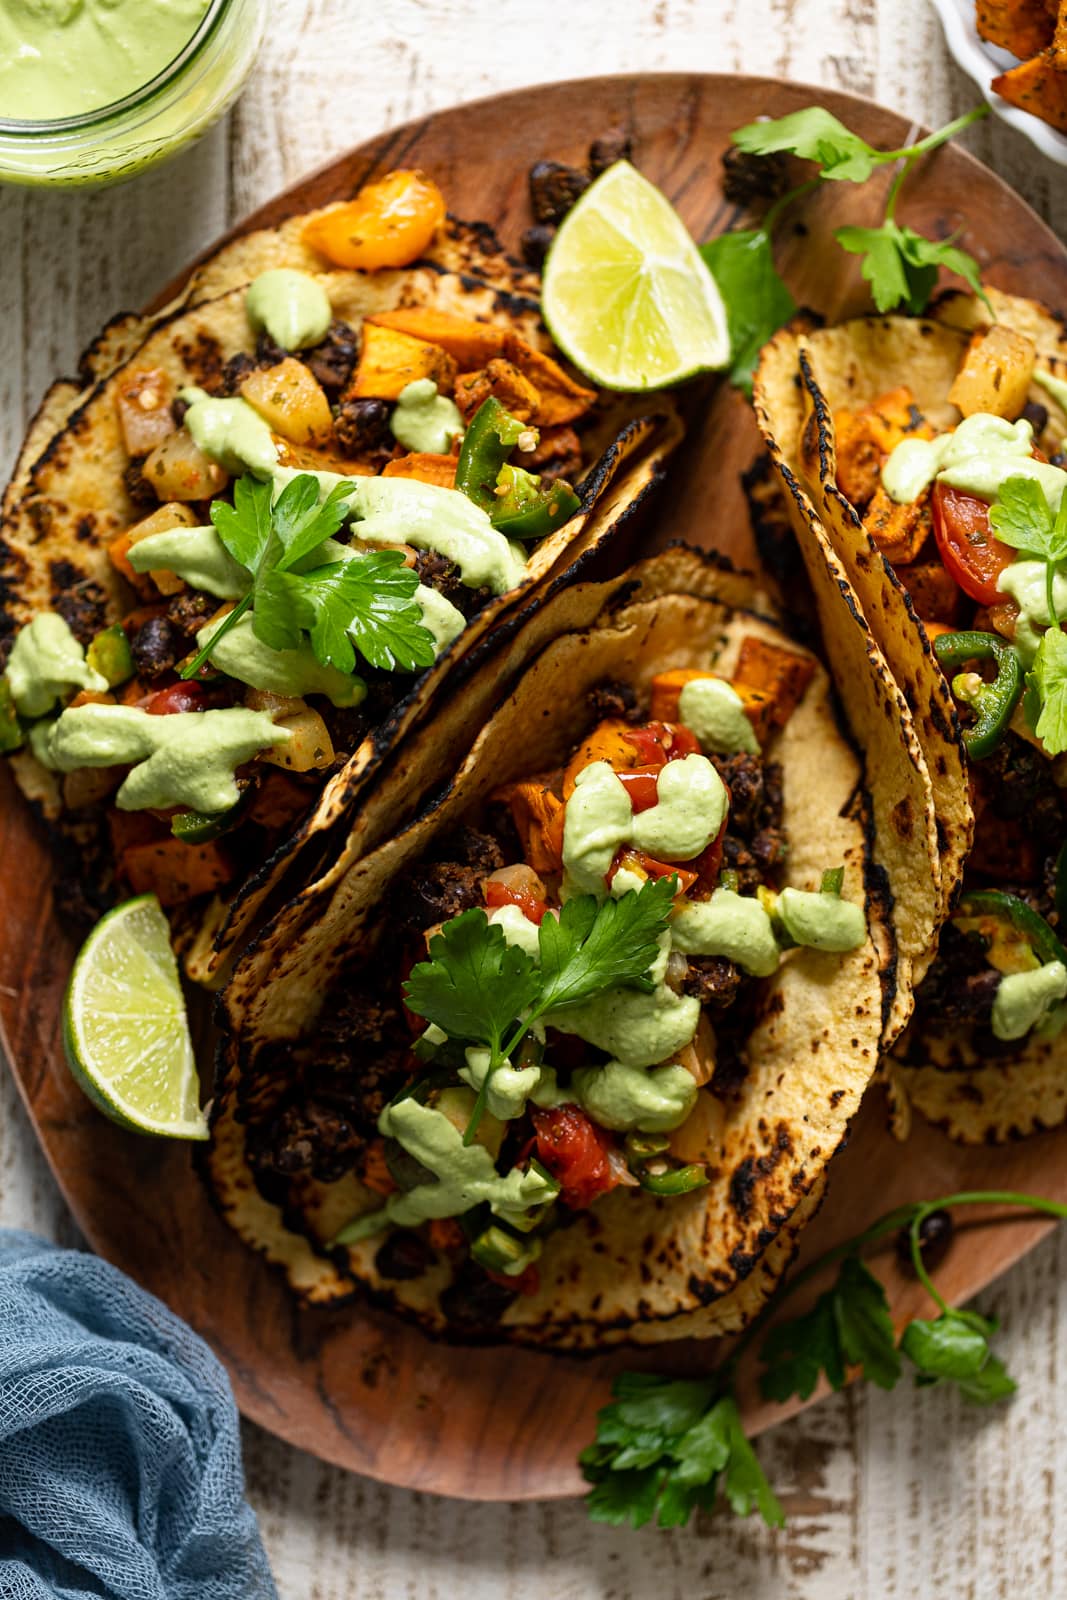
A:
(563, 1062)
(253, 551)
(933, 448)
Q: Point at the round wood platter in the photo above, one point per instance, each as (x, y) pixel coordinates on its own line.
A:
(350, 1385)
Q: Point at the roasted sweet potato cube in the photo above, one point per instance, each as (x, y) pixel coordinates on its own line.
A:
(389, 360)
(562, 398)
(470, 343)
(425, 467)
(1059, 38)
(934, 594)
(899, 531)
(609, 741)
(1038, 86)
(175, 871)
(995, 373)
(291, 401)
(175, 514)
(782, 674)
(538, 817)
(667, 693)
(865, 438)
(500, 380)
(1022, 26)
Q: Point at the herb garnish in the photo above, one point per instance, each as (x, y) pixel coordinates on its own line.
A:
(900, 265)
(483, 991)
(665, 1446)
(1045, 700)
(365, 602)
(1021, 518)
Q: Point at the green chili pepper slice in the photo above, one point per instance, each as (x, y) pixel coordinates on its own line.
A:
(488, 442)
(526, 510)
(680, 1180)
(998, 903)
(992, 703)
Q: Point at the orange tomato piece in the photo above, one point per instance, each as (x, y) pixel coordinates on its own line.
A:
(388, 224)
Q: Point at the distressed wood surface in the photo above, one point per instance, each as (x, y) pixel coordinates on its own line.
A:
(890, 1496)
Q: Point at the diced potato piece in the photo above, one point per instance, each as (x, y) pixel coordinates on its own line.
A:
(899, 531)
(864, 439)
(389, 361)
(427, 468)
(175, 871)
(143, 406)
(279, 705)
(291, 401)
(172, 515)
(995, 373)
(701, 1135)
(1038, 86)
(698, 1057)
(1022, 26)
(470, 344)
(667, 693)
(538, 817)
(310, 747)
(178, 469)
(1059, 39)
(562, 398)
(782, 674)
(502, 381)
(934, 594)
(607, 742)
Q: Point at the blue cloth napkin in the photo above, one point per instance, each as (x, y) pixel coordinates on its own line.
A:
(120, 1457)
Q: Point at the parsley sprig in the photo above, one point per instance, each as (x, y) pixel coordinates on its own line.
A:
(1021, 518)
(483, 991)
(668, 1446)
(365, 602)
(900, 265)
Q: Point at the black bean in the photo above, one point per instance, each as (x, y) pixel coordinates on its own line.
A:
(156, 646)
(935, 1236)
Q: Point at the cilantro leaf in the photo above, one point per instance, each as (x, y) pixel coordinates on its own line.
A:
(591, 947)
(301, 523)
(756, 299)
(1021, 518)
(799, 1351)
(366, 601)
(901, 265)
(849, 1325)
(864, 1325)
(665, 1447)
(475, 984)
(954, 1347)
(1046, 692)
(814, 134)
(246, 527)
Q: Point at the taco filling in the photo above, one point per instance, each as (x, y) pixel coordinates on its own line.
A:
(318, 520)
(560, 991)
(973, 519)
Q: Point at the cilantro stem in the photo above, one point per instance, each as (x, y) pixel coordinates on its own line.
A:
(228, 622)
(940, 136)
(497, 1058)
(784, 201)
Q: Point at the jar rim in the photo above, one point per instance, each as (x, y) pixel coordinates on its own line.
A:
(18, 127)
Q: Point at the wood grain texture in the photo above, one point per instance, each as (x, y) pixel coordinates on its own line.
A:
(891, 1496)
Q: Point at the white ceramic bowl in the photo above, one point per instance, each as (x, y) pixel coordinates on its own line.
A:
(983, 62)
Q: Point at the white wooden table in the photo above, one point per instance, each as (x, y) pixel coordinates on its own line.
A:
(891, 1497)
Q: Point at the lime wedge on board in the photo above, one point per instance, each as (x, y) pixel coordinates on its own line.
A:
(626, 295)
(125, 1029)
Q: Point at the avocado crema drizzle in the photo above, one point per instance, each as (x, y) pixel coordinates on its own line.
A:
(188, 759)
(449, 1123)
(982, 455)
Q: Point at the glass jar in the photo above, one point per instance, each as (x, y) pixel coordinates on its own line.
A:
(124, 138)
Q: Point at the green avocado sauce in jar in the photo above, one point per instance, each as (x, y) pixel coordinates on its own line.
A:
(93, 91)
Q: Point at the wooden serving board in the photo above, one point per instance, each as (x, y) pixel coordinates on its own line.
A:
(351, 1385)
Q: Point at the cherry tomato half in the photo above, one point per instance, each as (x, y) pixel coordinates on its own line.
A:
(575, 1151)
(647, 866)
(973, 556)
(640, 785)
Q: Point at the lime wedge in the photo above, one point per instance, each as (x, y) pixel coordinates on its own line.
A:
(626, 295)
(125, 1029)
